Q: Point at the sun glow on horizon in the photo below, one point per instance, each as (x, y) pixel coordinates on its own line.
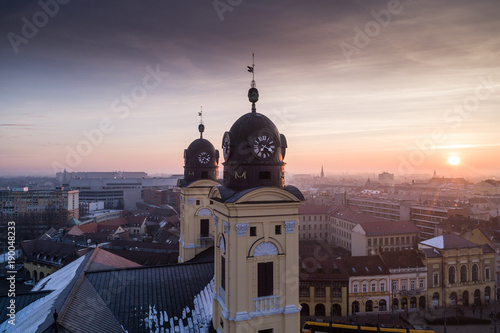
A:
(454, 160)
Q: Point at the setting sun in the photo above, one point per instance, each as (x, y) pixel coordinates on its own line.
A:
(453, 160)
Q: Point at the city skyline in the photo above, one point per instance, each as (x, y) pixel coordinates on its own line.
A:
(397, 86)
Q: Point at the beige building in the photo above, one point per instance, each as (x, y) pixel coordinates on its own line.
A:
(367, 235)
(196, 221)
(408, 279)
(256, 261)
(459, 272)
(368, 284)
(314, 222)
(487, 187)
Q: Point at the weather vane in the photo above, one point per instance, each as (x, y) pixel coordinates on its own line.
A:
(201, 127)
(251, 70)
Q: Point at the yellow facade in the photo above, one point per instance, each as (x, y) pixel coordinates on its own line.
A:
(39, 271)
(316, 304)
(196, 208)
(467, 273)
(256, 261)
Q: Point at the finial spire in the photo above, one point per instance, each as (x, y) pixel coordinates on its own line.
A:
(253, 93)
(201, 127)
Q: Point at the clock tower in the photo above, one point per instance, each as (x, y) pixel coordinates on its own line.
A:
(256, 231)
(201, 165)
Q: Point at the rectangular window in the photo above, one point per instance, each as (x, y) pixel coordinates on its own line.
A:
(386, 241)
(392, 240)
(394, 285)
(487, 273)
(264, 175)
(421, 284)
(374, 287)
(265, 279)
(253, 231)
(364, 287)
(435, 279)
(204, 227)
(382, 286)
(403, 286)
(374, 242)
(197, 202)
(369, 242)
(412, 285)
(355, 288)
(277, 229)
(223, 272)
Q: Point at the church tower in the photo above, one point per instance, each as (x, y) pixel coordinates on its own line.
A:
(201, 167)
(256, 231)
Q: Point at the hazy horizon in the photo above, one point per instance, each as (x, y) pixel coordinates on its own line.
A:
(396, 86)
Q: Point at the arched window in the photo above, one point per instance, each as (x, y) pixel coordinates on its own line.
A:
(404, 303)
(382, 305)
(475, 272)
(453, 298)
(421, 302)
(463, 273)
(413, 303)
(355, 307)
(305, 309)
(265, 248)
(395, 303)
(319, 310)
(435, 299)
(369, 306)
(451, 274)
(487, 292)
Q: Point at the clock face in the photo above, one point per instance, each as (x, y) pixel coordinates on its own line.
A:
(264, 146)
(226, 143)
(204, 157)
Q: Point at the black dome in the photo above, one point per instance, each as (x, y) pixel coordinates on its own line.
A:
(195, 148)
(243, 133)
(254, 150)
(201, 161)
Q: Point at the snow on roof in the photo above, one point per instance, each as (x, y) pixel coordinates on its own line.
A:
(198, 319)
(32, 316)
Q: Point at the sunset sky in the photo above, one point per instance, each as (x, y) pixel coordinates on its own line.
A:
(395, 86)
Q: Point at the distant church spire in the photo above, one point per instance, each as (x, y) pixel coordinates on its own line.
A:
(322, 172)
(253, 93)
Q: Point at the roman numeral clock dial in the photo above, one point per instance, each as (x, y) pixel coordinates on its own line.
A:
(264, 146)
(204, 157)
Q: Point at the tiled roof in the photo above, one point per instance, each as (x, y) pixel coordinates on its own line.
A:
(388, 227)
(349, 214)
(133, 295)
(364, 265)
(402, 259)
(313, 209)
(105, 260)
(448, 241)
(22, 300)
(431, 253)
(147, 258)
(78, 319)
(53, 253)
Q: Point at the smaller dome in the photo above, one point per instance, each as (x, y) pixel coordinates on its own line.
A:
(201, 152)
